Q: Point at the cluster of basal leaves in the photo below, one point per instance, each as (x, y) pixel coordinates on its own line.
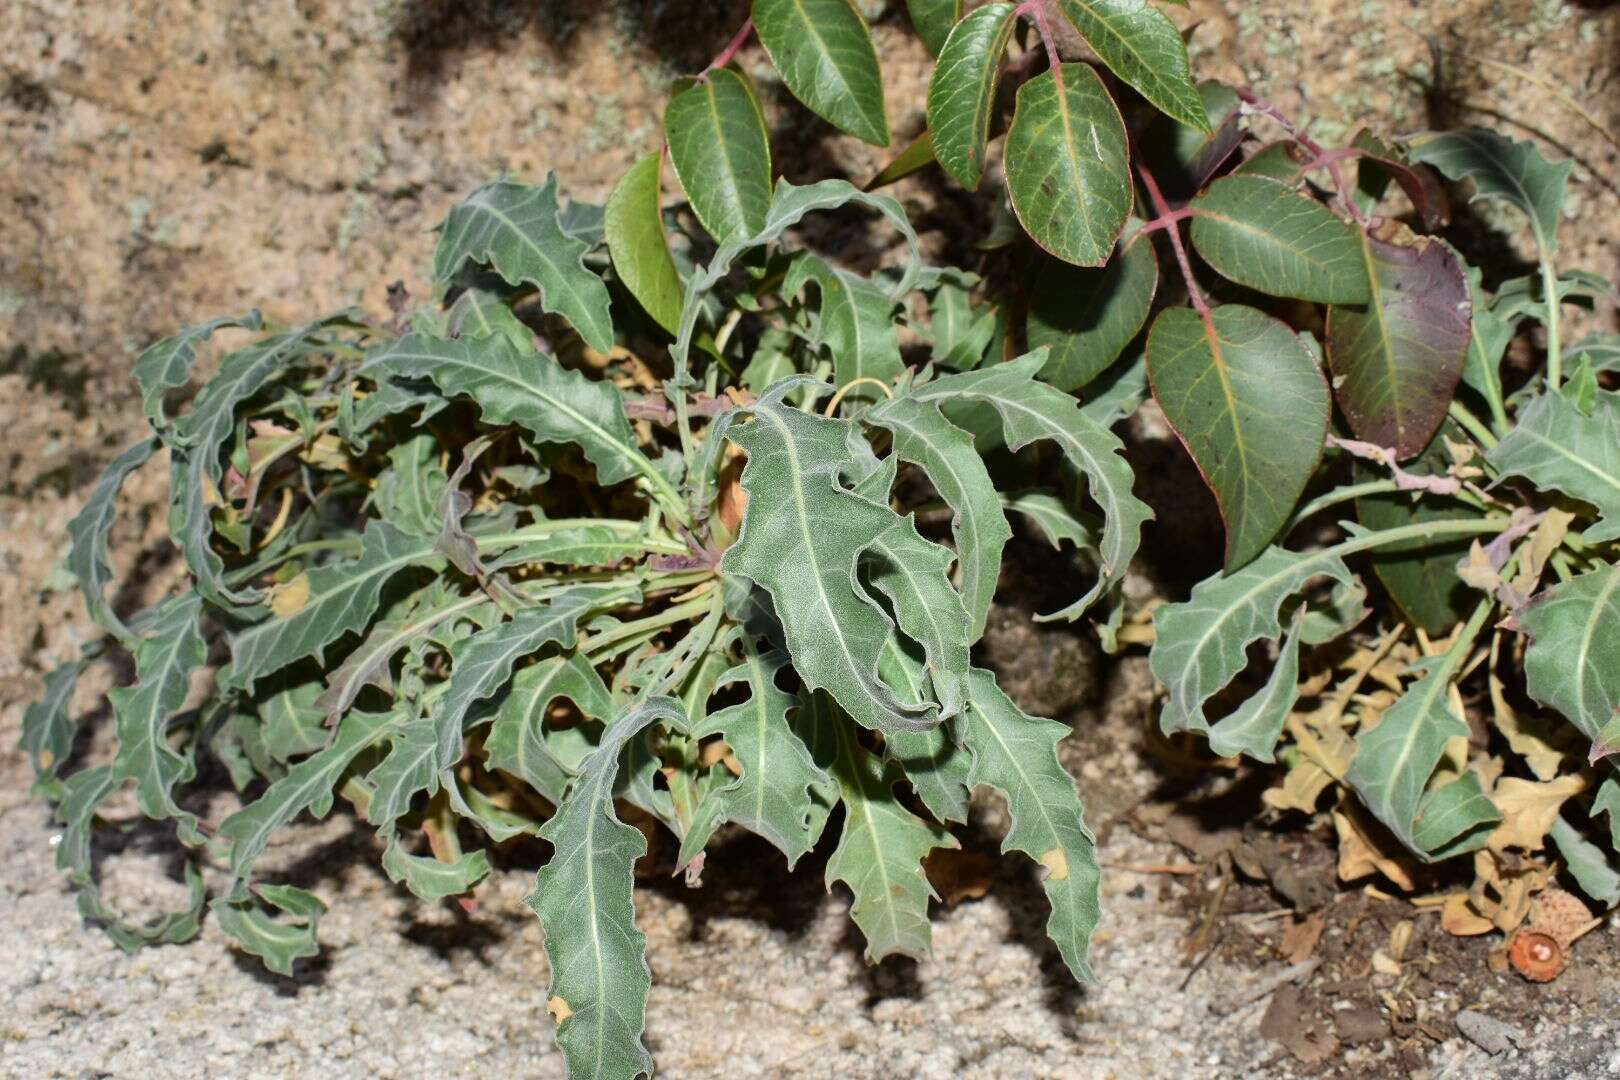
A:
(660, 514)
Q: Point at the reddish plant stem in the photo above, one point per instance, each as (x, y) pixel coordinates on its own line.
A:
(733, 48)
(1165, 221)
(1036, 9)
(1320, 157)
(1168, 220)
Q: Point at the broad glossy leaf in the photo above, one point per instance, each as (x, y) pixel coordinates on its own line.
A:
(947, 455)
(1557, 447)
(171, 648)
(1250, 404)
(1067, 168)
(855, 322)
(166, 365)
(721, 151)
(801, 535)
(308, 785)
(933, 19)
(824, 53)
(1017, 755)
(342, 598)
(427, 877)
(1573, 661)
(514, 229)
(638, 246)
(882, 846)
(1088, 316)
(1393, 765)
(1397, 359)
(584, 897)
(1501, 169)
(87, 552)
(962, 91)
(1031, 410)
(773, 798)
(1201, 644)
(1269, 237)
(278, 942)
(1142, 46)
(917, 156)
(520, 743)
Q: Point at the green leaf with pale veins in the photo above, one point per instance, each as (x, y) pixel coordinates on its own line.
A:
(1269, 237)
(913, 573)
(1502, 170)
(934, 761)
(408, 491)
(636, 242)
(514, 229)
(1067, 168)
(855, 323)
(87, 551)
(410, 767)
(1142, 46)
(946, 454)
(1087, 316)
(47, 724)
(171, 648)
(1201, 644)
(342, 598)
(773, 796)
(427, 877)
(1254, 726)
(520, 742)
(1016, 754)
(882, 846)
(1395, 760)
(1558, 448)
(801, 535)
(824, 53)
(962, 91)
(1031, 410)
(167, 364)
(278, 942)
(308, 785)
(585, 899)
(1595, 873)
(1397, 359)
(1248, 401)
(933, 19)
(1573, 661)
(721, 151)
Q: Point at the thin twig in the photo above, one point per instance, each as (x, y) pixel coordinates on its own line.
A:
(1266, 987)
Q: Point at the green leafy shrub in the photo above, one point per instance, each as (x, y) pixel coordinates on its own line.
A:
(644, 514)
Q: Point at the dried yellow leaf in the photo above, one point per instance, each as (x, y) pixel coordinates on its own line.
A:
(1529, 808)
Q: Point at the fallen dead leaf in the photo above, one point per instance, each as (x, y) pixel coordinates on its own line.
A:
(1300, 937)
(1529, 808)
(1360, 854)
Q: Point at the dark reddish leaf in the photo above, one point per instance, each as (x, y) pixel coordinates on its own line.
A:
(1381, 163)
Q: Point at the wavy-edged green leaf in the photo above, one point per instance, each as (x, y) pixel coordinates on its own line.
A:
(1142, 46)
(551, 402)
(1254, 726)
(773, 797)
(947, 455)
(1031, 410)
(87, 552)
(166, 365)
(171, 648)
(933, 19)
(1557, 447)
(410, 767)
(1573, 661)
(584, 897)
(801, 535)
(1016, 754)
(1249, 402)
(914, 575)
(1394, 763)
(368, 663)
(1201, 644)
(1607, 801)
(1068, 171)
(855, 323)
(934, 761)
(1602, 349)
(427, 877)
(721, 151)
(1488, 338)
(520, 742)
(514, 229)
(1269, 237)
(1055, 518)
(1396, 360)
(962, 91)
(408, 491)
(824, 53)
(1088, 316)
(1597, 875)
(1503, 170)
(48, 727)
(636, 242)
(882, 846)
(342, 598)
(308, 785)
(789, 205)
(276, 941)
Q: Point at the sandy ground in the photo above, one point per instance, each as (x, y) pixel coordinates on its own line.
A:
(161, 164)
